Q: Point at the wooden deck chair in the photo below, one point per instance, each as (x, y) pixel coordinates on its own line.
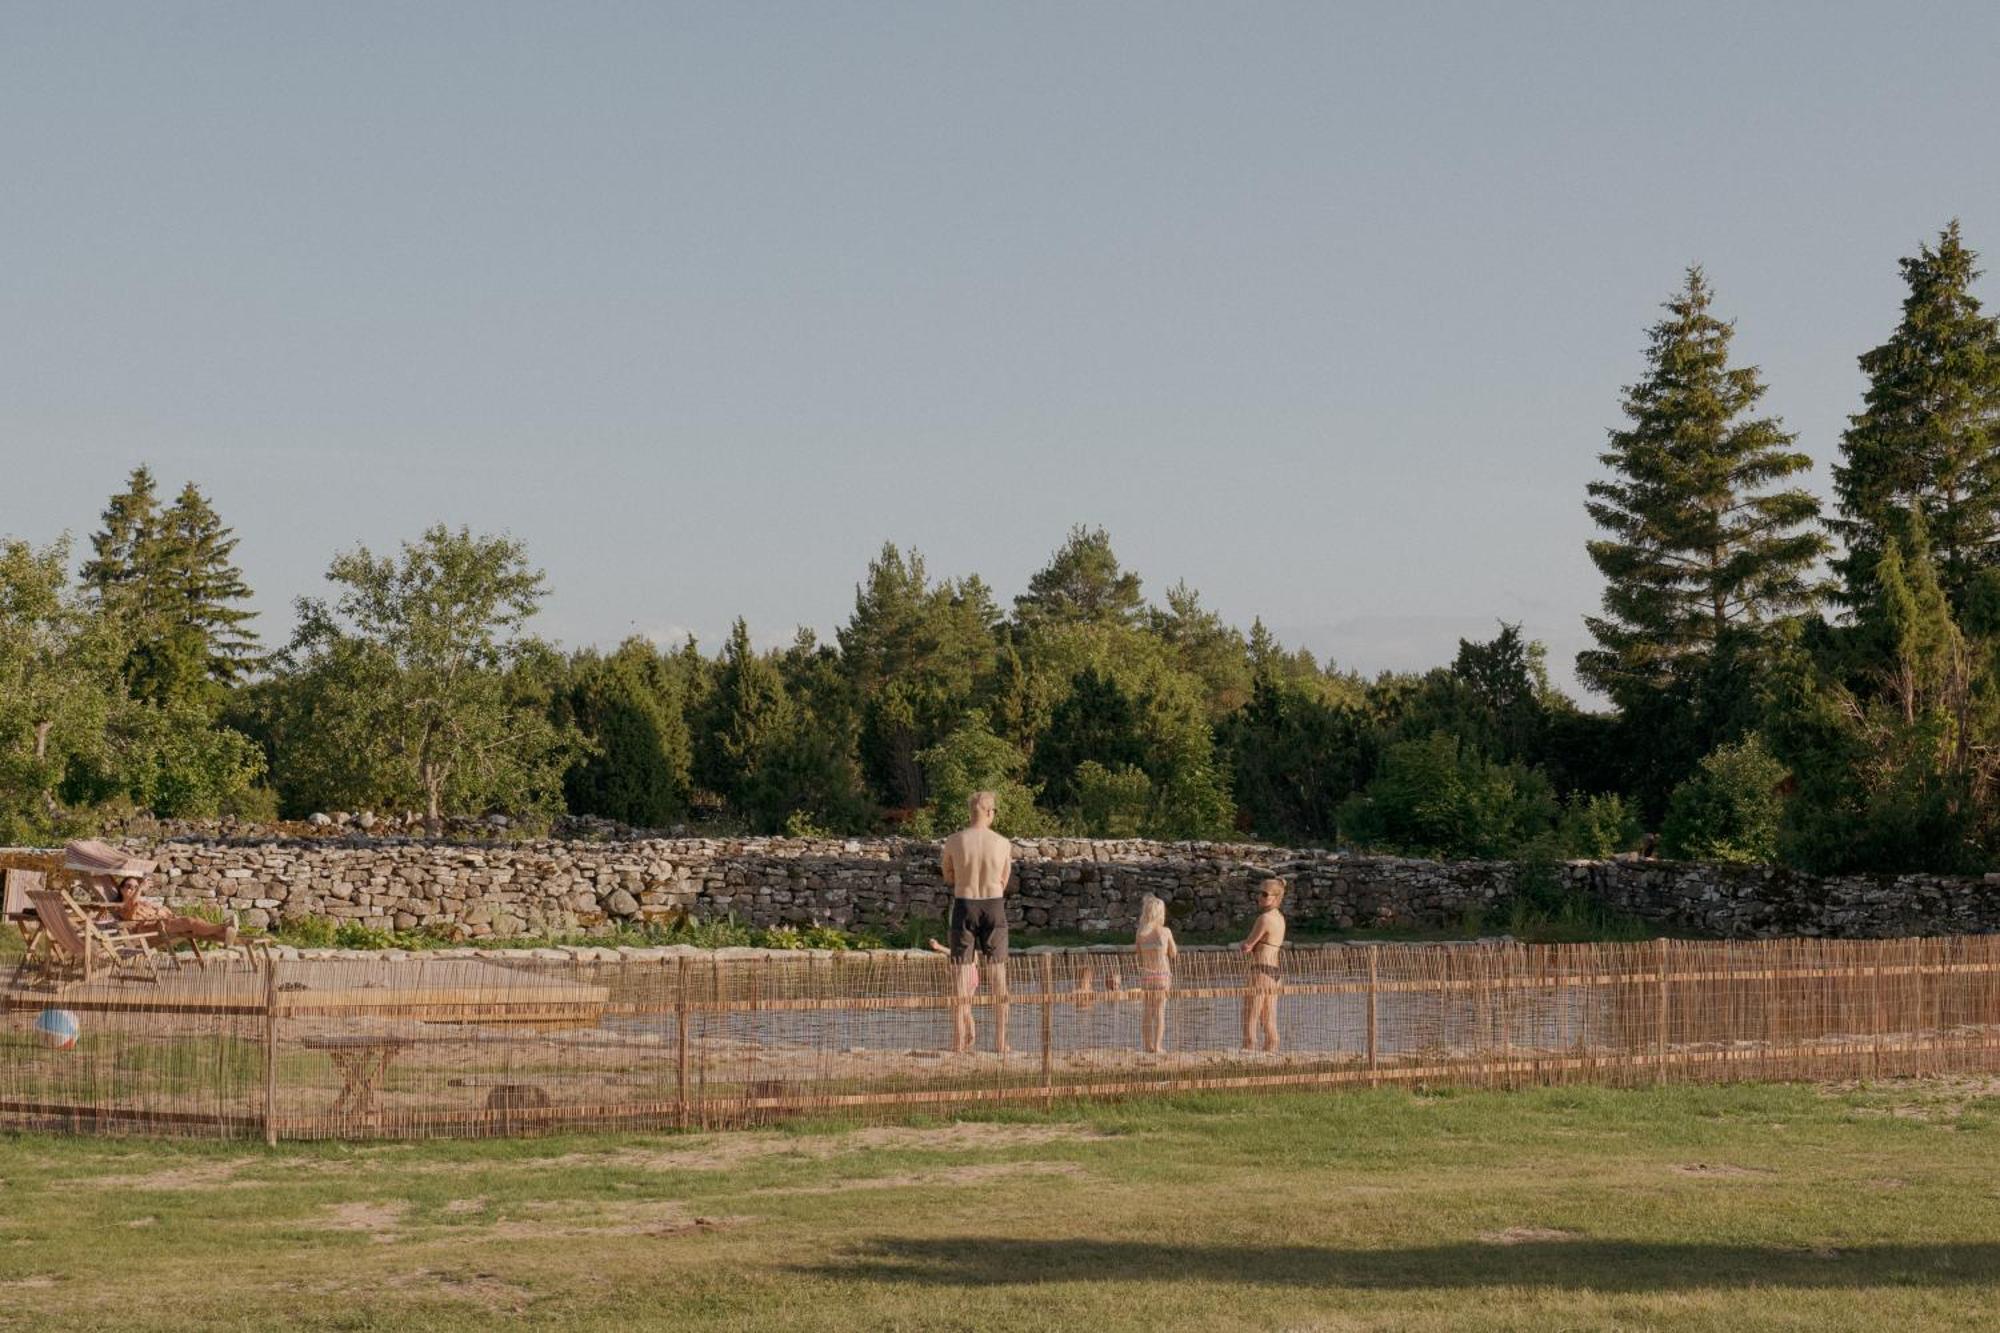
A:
(15, 909)
(76, 941)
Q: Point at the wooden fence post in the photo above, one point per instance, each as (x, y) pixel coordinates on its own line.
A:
(1660, 1036)
(1875, 995)
(1048, 1033)
(681, 1036)
(270, 1051)
(1374, 1060)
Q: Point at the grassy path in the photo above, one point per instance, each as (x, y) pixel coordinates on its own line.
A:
(1759, 1207)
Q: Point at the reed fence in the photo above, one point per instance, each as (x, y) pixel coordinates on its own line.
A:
(413, 1047)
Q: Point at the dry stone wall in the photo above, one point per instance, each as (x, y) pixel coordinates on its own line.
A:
(514, 889)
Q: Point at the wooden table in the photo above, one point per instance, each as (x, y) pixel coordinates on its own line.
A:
(363, 1061)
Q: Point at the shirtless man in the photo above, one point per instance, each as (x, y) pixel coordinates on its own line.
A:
(977, 864)
(1267, 935)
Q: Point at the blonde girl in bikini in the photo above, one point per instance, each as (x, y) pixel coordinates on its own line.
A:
(1157, 951)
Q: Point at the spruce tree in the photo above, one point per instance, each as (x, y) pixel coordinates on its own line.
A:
(1699, 548)
(1928, 437)
(205, 589)
(125, 550)
(166, 578)
(628, 706)
(750, 719)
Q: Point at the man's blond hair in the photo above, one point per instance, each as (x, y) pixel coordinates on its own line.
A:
(1273, 885)
(981, 801)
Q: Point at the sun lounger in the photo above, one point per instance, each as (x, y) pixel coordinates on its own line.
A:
(77, 942)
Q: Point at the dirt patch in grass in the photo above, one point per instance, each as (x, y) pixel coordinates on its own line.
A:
(38, 1282)
(489, 1291)
(193, 1176)
(1723, 1171)
(661, 1218)
(720, 1152)
(378, 1219)
(387, 1222)
(1526, 1236)
(1933, 1100)
(950, 1176)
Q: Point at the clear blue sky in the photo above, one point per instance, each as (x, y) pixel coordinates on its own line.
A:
(1322, 308)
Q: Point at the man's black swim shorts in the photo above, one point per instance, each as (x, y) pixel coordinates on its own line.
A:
(979, 923)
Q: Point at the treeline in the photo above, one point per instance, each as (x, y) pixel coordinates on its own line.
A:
(1820, 688)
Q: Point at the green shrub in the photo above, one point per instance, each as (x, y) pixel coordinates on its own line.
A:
(1433, 798)
(1596, 828)
(801, 824)
(1111, 802)
(307, 932)
(973, 759)
(1730, 809)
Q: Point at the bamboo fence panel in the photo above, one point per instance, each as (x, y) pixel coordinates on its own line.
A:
(518, 1043)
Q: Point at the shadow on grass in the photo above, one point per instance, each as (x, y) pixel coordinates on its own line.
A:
(1584, 1264)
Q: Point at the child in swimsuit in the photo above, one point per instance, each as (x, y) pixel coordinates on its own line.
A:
(965, 984)
(1260, 1001)
(1157, 951)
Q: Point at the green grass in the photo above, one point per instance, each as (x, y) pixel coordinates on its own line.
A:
(1749, 1207)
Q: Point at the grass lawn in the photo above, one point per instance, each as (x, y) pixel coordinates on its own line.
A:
(1732, 1208)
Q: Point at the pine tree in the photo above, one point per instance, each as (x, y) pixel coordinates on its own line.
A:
(1928, 439)
(1698, 546)
(916, 653)
(1206, 648)
(1082, 584)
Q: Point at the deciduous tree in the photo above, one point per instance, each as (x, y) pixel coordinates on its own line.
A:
(404, 680)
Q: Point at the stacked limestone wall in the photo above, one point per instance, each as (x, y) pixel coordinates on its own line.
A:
(503, 890)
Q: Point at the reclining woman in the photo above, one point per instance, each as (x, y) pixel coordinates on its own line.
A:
(119, 882)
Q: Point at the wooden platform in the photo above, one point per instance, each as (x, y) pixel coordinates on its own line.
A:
(438, 991)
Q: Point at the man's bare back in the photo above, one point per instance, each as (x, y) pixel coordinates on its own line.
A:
(977, 862)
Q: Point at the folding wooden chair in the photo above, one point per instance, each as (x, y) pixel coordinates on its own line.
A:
(15, 909)
(76, 941)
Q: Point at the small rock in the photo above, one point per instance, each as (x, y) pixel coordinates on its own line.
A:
(318, 820)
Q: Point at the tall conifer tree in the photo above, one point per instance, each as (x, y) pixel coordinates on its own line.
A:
(205, 590)
(1928, 438)
(1083, 584)
(1699, 547)
(166, 577)
(126, 547)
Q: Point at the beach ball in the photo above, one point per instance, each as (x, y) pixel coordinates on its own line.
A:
(57, 1028)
